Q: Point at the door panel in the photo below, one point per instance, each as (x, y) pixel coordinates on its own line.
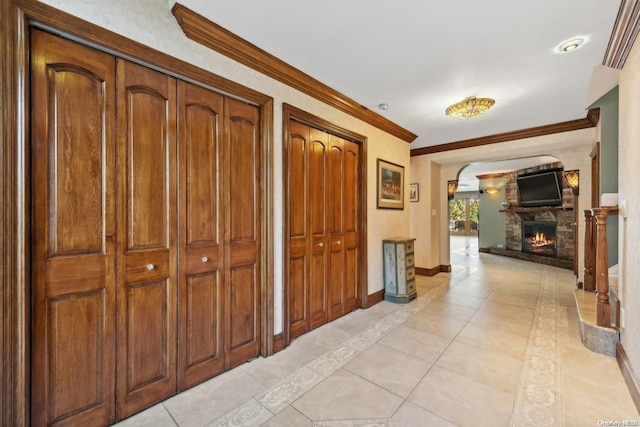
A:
(243, 201)
(298, 300)
(147, 244)
(73, 229)
(351, 223)
(317, 179)
(200, 353)
(336, 224)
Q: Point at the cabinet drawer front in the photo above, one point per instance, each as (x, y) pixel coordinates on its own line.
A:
(409, 247)
(411, 286)
(411, 273)
(410, 260)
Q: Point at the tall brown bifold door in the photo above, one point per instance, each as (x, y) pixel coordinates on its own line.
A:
(219, 228)
(145, 234)
(73, 228)
(147, 255)
(324, 220)
(200, 117)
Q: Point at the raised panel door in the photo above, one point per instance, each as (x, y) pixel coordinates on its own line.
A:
(319, 255)
(351, 210)
(242, 194)
(146, 314)
(335, 207)
(200, 295)
(73, 231)
(299, 243)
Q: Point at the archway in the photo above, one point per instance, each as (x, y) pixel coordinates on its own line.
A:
(476, 223)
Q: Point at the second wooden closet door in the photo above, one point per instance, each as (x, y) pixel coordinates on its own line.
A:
(324, 211)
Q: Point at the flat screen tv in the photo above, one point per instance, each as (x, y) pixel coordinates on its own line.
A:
(540, 189)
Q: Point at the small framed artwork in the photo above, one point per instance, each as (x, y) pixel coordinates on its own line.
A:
(414, 194)
(390, 185)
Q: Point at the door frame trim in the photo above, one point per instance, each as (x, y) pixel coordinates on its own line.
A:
(289, 113)
(17, 18)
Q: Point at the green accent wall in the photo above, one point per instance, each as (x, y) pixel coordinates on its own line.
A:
(608, 105)
(491, 224)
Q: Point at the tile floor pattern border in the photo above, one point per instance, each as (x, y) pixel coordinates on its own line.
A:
(364, 422)
(538, 401)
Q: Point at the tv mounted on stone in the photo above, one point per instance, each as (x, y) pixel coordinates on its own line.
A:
(540, 189)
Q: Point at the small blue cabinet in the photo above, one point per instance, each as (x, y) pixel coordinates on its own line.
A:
(399, 269)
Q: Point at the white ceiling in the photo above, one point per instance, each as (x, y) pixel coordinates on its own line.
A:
(419, 56)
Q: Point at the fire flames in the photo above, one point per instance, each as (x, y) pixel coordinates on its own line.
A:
(540, 240)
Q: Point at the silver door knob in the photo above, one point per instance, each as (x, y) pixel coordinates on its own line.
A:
(321, 244)
(338, 242)
(205, 259)
(150, 266)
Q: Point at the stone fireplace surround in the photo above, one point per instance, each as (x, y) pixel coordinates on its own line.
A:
(563, 216)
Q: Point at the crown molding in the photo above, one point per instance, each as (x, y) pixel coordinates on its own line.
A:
(625, 31)
(588, 122)
(594, 116)
(213, 36)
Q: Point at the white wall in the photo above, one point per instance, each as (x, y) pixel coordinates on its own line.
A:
(150, 22)
(629, 192)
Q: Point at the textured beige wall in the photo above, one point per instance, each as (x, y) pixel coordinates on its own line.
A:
(423, 216)
(150, 22)
(629, 192)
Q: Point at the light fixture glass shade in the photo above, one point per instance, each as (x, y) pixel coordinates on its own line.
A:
(469, 107)
(573, 180)
(452, 186)
(492, 190)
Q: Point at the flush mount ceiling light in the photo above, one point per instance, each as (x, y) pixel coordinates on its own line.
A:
(383, 106)
(469, 107)
(570, 45)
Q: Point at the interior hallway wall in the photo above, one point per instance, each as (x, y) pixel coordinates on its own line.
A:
(629, 195)
(151, 23)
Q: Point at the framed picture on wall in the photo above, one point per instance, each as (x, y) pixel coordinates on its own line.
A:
(390, 185)
(414, 194)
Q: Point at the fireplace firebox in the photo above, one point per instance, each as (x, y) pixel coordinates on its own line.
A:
(539, 238)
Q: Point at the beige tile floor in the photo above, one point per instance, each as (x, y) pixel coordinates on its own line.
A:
(494, 343)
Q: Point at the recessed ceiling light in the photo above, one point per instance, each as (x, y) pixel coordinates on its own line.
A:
(570, 45)
(383, 106)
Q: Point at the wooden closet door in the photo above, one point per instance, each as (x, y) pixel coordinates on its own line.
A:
(335, 205)
(73, 231)
(200, 308)
(317, 176)
(147, 221)
(242, 194)
(299, 241)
